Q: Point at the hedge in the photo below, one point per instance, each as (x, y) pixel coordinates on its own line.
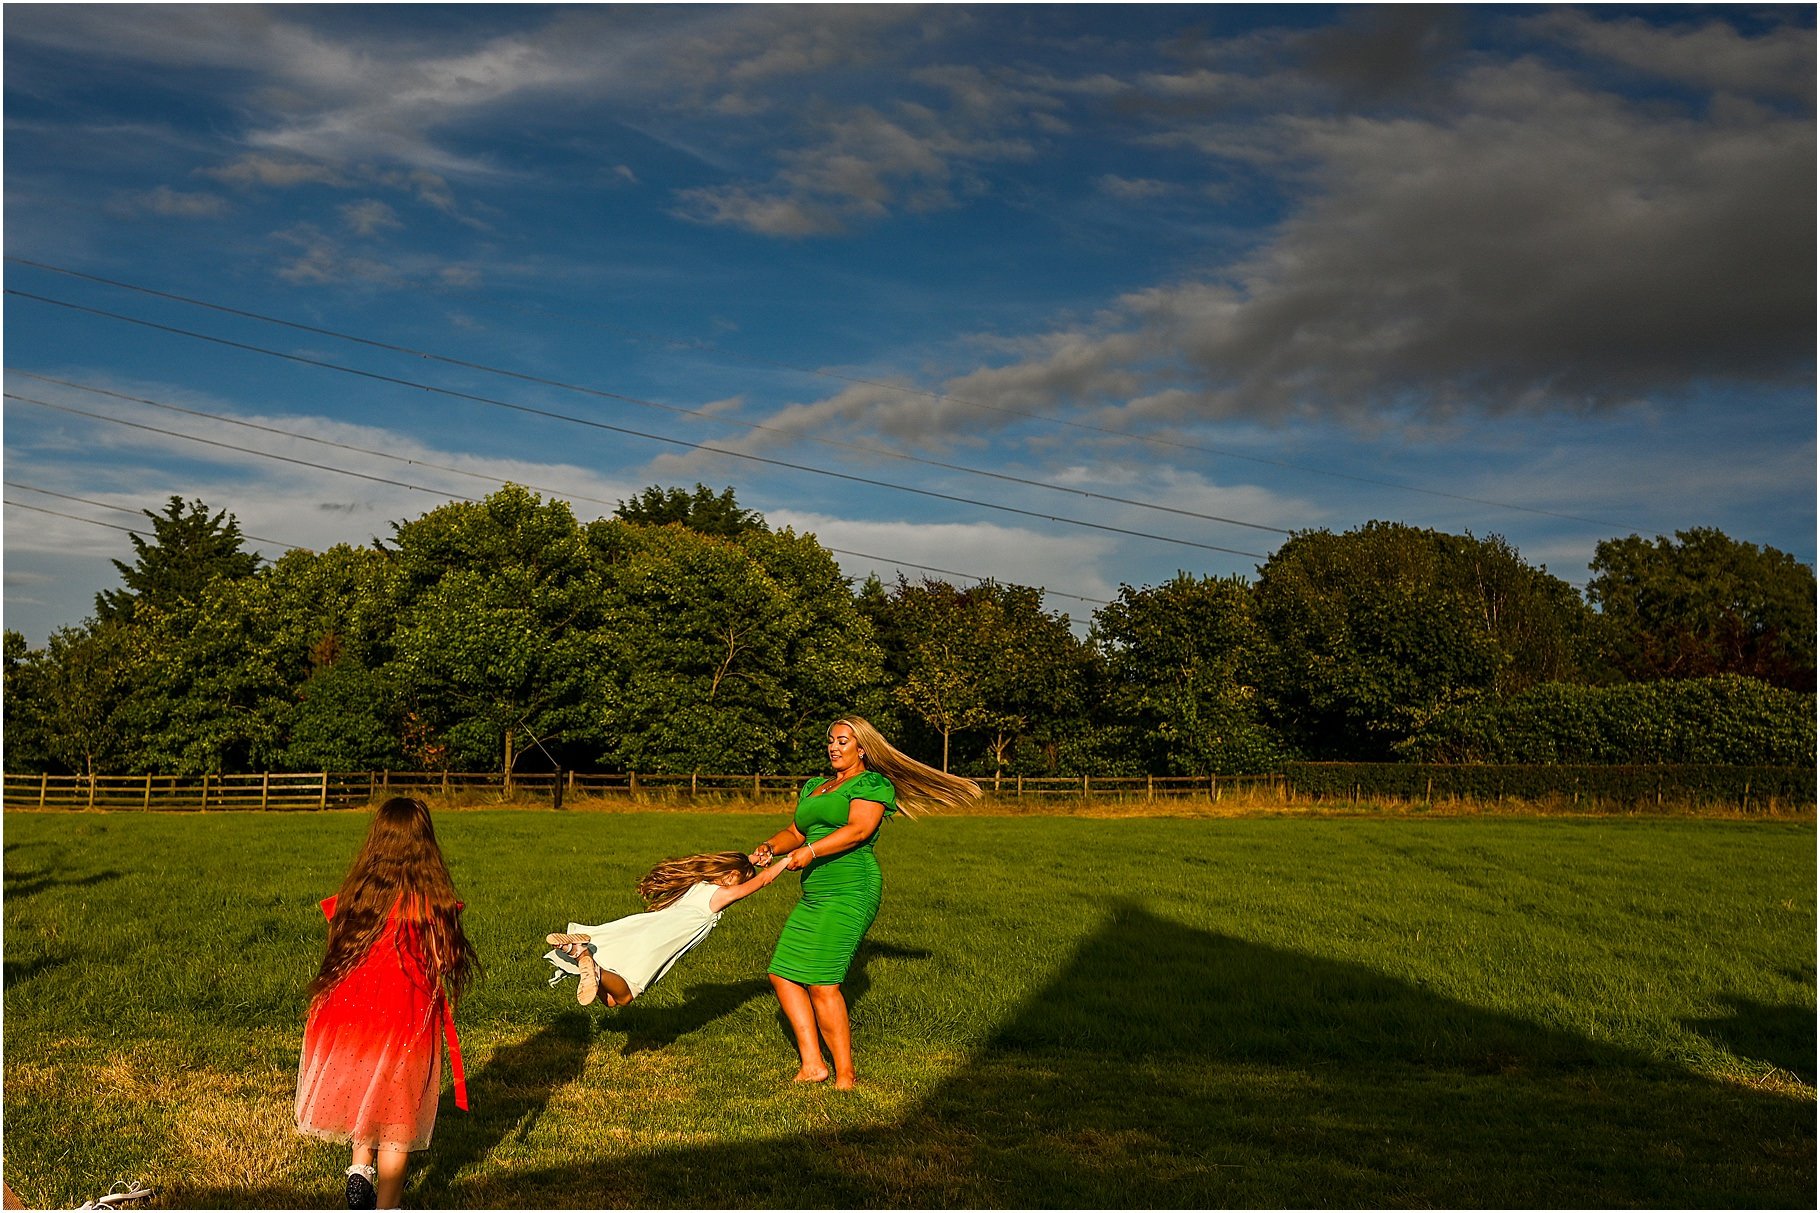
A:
(1726, 720)
(1750, 787)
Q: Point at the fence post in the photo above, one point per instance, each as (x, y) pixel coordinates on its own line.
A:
(756, 794)
(385, 780)
(1085, 788)
(371, 789)
(632, 782)
(44, 786)
(265, 791)
(556, 791)
(148, 792)
(1020, 787)
(205, 792)
(1150, 787)
(323, 802)
(91, 788)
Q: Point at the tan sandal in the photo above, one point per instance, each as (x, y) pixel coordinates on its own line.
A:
(560, 938)
(589, 985)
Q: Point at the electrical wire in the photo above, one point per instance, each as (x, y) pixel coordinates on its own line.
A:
(321, 467)
(888, 560)
(617, 429)
(864, 448)
(329, 442)
(110, 525)
(14, 484)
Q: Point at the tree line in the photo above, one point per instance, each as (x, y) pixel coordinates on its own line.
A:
(683, 633)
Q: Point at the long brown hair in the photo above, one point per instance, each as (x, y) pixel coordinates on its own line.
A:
(919, 786)
(400, 865)
(672, 878)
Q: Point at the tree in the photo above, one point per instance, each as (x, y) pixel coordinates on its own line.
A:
(726, 653)
(70, 695)
(702, 511)
(1702, 604)
(987, 659)
(1183, 662)
(1375, 631)
(497, 649)
(189, 549)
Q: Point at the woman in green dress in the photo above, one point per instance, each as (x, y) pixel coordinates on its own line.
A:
(829, 840)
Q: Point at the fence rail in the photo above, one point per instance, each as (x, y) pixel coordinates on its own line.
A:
(294, 791)
(1748, 788)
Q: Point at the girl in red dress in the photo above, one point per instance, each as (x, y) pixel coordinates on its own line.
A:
(397, 961)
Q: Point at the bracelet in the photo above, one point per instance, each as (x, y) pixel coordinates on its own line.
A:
(812, 854)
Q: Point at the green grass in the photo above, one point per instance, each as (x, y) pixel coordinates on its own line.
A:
(1464, 1012)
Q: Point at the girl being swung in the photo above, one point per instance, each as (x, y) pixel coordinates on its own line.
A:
(617, 961)
(382, 1002)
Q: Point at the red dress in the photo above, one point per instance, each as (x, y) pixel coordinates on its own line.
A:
(372, 1049)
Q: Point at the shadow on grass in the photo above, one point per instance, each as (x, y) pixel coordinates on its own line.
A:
(648, 1028)
(17, 972)
(1782, 1036)
(22, 885)
(507, 1095)
(1168, 1066)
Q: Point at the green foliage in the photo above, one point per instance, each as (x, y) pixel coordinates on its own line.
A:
(1703, 604)
(1375, 631)
(986, 660)
(1709, 720)
(726, 654)
(703, 511)
(1182, 662)
(189, 549)
(1607, 786)
(498, 647)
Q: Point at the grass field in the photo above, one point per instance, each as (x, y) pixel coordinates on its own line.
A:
(1509, 1012)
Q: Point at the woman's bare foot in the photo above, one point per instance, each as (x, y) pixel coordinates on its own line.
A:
(843, 1082)
(811, 1074)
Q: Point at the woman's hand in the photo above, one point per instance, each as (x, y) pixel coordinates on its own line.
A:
(801, 858)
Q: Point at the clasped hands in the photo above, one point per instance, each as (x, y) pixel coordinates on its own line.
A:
(799, 858)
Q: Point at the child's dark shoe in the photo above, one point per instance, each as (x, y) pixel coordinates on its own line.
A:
(361, 1192)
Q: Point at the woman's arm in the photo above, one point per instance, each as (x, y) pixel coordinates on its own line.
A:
(788, 838)
(727, 895)
(863, 817)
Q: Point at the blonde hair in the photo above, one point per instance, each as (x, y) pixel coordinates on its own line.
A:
(920, 787)
(672, 878)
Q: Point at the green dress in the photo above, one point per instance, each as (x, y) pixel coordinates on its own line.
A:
(840, 894)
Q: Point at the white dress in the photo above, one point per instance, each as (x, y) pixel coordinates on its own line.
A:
(642, 947)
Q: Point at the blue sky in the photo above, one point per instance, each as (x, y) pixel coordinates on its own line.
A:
(1195, 276)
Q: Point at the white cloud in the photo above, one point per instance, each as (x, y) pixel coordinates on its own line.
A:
(169, 203)
(1715, 55)
(369, 216)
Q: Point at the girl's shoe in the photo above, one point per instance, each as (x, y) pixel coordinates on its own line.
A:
(557, 937)
(590, 978)
(361, 1192)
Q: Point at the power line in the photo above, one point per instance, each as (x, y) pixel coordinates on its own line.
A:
(929, 568)
(348, 472)
(321, 467)
(14, 484)
(864, 448)
(1108, 431)
(617, 429)
(97, 522)
(272, 429)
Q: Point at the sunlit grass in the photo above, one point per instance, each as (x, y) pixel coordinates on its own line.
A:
(1050, 1012)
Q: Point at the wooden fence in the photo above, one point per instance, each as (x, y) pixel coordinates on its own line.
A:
(344, 789)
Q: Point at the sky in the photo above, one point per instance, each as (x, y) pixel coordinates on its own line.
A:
(1067, 296)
